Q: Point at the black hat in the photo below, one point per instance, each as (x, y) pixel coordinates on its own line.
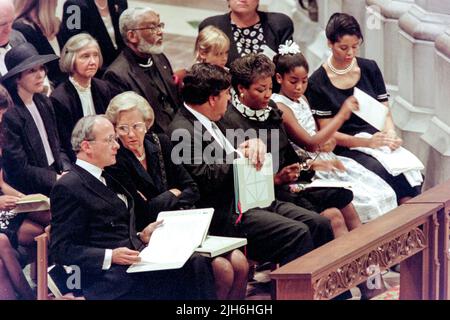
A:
(23, 57)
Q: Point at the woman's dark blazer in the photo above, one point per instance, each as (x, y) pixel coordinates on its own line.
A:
(92, 23)
(277, 27)
(132, 175)
(24, 159)
(68, 109)
(33, 34)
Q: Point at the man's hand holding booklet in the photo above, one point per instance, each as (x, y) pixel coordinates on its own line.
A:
(174, 241)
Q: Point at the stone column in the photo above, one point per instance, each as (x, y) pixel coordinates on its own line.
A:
(287, 7)
(414, 106)
(357, 9)
(437, 136)
(326, 9)
(381, 33)
(314, 42)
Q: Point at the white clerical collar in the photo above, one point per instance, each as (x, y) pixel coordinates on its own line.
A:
(148, 64)
(92, 169)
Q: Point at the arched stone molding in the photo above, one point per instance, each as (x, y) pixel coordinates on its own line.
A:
(438, 133)
(382, 37)
(414, 106)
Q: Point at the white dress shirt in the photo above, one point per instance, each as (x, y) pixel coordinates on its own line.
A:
(42, 132)
(55, 45)
(3, 51)
(85, 94)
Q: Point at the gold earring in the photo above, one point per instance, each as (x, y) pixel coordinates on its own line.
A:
(242, 95)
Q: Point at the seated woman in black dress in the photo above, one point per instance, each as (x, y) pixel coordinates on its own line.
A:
(252, 109)
(145, 168)
(81, 94)
(12, 280)
(334, 82)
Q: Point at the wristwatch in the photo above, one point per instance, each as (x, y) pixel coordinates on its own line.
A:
(306, 165)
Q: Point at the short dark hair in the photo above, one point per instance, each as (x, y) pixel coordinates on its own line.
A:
(288, 62)
(203, 81)
(247, 69)
(340, 25)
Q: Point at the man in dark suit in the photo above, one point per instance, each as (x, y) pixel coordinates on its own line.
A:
(93, 227)
(278, 233)
(142, 67)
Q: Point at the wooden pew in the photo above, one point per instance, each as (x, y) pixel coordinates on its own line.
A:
(406, 235)
(440, 195)
(42, 265)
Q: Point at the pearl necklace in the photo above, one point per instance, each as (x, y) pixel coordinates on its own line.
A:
(341, 72)
(98, 6)
(141, 158)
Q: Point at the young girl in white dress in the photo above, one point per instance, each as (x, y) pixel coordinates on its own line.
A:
(373, 197)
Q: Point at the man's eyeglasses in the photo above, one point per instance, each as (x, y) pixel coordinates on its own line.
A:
(152, 29)
(111, 140)
(124, 129)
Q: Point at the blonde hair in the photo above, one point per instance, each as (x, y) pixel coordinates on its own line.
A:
(45, 14)
(210, 39)
(126, 101)
(71, 48)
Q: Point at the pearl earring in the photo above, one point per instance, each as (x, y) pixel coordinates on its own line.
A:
(242, 95)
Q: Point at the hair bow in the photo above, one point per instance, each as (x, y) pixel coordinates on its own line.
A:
(290, 47)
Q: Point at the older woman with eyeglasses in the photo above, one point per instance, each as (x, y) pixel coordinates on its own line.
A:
(81, 94)
(144, 167)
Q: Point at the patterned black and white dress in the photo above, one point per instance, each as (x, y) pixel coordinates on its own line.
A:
(248, 40)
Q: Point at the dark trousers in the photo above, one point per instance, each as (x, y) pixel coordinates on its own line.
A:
(317, 199)
(283, 232)
(194, 281)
